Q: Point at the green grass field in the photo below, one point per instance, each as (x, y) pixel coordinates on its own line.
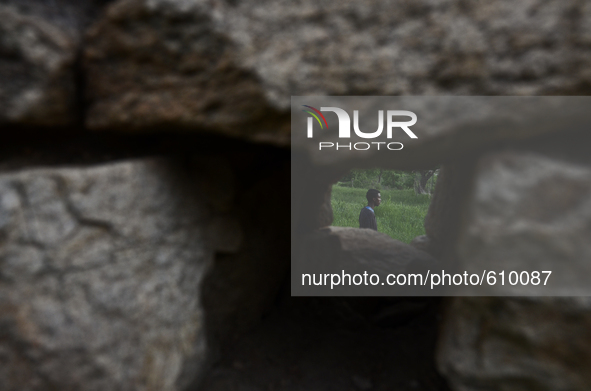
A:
(400, 215)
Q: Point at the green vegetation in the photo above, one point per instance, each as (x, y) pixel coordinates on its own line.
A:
(378, 179)
(400, 215)
(422, 181)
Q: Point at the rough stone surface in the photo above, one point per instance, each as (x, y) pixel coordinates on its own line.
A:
(154, 63)
(447, 127)
(493, 344)
(36, 72)
(444, 218)
(39, 41)
(222, 63)
(104, 277)
(367, 247)
(100, 271)
(354, 250)
(530, 211)
(423, 243)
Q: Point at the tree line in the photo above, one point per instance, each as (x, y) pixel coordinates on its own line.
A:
(421, 181)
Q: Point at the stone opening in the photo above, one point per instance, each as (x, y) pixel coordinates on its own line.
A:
(405, 199)
(390, 317)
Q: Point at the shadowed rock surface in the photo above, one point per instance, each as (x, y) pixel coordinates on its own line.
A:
(530, 212)
(99, 280)
(517, 344)
(339, 250)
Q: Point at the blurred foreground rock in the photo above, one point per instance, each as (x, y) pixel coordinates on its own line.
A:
(531, 211)
(99, 279)
(528, 210)
(338, 250)
(448, 204)
(517, 344)
(423, 243)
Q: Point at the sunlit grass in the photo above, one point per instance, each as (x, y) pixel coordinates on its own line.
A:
(400, 215)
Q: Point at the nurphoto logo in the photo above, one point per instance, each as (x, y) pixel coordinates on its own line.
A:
(344, 130)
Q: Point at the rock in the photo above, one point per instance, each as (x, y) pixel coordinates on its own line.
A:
(530, 212)
(311, 189)
(100, 272)
(422, 242)
(227, 65)
(489, 343)
(361, 383)
(155, 63)
(325, 217)
(39, 41)
(338, 250)
(37, 74)
(443, 220)
(447, 127)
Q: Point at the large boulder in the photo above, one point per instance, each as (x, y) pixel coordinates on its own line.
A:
(100, 272)
(342, 250)
(530, 211)
(154, 63)
(232, 66)
(447, 128)
(135, 275)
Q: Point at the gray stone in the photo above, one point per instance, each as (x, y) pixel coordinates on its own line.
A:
(443, 220)
(231, 66)
(530, 212)
(498, 344)
(447, 128)
(337, 250)
(401, 47)
(37, 74)
(153, 63)
(423, 243)
(100, 272)
(39, 42)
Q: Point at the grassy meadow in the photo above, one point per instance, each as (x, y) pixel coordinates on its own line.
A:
(400, 215)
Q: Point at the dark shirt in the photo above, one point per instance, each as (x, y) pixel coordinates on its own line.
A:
(367, 219)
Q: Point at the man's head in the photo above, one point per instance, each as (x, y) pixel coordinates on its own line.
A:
(373, 197)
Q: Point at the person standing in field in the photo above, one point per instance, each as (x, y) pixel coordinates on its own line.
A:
(367, 217)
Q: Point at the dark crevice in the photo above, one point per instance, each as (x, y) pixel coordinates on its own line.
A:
(28, 147)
